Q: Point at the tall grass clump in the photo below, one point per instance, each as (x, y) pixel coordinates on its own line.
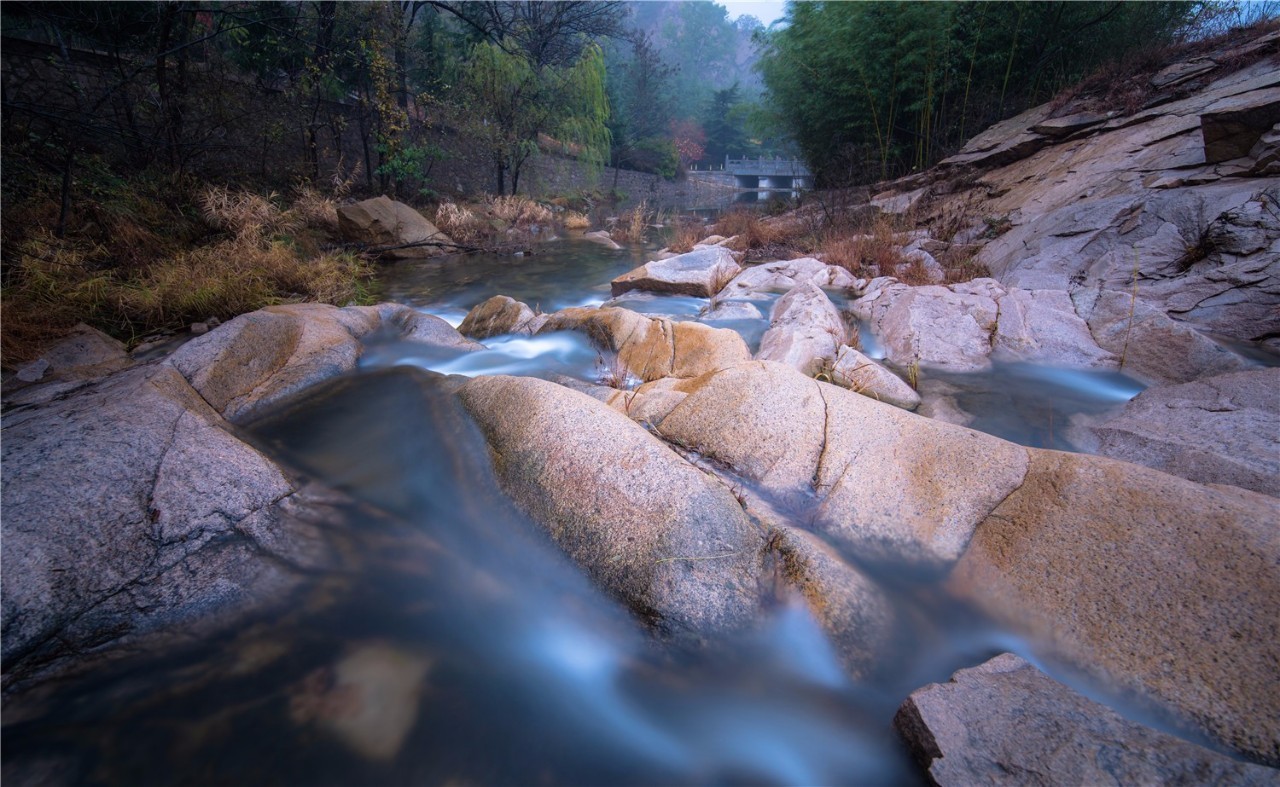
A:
(632, 224)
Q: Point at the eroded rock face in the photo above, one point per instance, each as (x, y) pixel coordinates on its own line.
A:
(1006, 722)
(658, 534)
(382, 221)
(266, 356)
(701, 273)
(498, 316)
(841, 460)
(652, 348)
(860, 374)
(1217, 430)
(129, 507)
(1153, 584)
(805, 330)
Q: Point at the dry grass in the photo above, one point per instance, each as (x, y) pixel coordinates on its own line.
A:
(574, 220)
(685, 234)
(633, 224)
(462, 223)
(515, 209)
(53, 283)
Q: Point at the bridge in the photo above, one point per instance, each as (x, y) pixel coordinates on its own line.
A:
(768, 173)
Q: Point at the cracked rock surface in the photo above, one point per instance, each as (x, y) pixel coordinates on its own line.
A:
(130, 506)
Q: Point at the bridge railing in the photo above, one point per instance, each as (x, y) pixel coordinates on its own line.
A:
(766, 166)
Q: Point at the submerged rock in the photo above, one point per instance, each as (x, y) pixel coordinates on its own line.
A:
(660, 535)
(1006, 722)
(1217, 430)
(1160, 587)
(805, 330)
(382, 221)
(700, 273)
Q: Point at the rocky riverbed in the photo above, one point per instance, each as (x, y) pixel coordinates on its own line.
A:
(279, 534)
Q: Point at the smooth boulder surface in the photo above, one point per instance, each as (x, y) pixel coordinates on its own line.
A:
(650, 348)
(269, 355)
(382, 221)
(805, 330)
(130, 507)
(882, 482)
(700, 273)
(933, 326)
(860, 374)
(782, 276)
(661, 536)
(1006, 722)
(1217, 430)
(498, 316)
(1152, 584)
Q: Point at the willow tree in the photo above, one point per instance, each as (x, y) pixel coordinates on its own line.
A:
(511, 102)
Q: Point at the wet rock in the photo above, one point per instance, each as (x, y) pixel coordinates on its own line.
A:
(199, 328)
(658, 534)
(805, 330)
(382, 221)
(130, 508)
(1152, 346)
(1159, 587)
(34, 371)
(869, 476)
(267, 356)
(938, 401)
(1006, 722)
(498, 316)
(652, 348)
(853, 611)
(860, 374)
(699, 273)
(1217, 430)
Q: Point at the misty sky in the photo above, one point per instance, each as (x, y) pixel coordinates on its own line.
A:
(765, 10)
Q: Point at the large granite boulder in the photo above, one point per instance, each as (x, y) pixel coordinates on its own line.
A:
(1159, 587)
(660, 535)
(1217, 430)
(933, 326)
(1006, 722)
(131, 507)
(650, 348)
(860, 374)
(1043, 325)
(269, 355)
(783, 276)
(498, 316)
(805, 330)
(83, 354)
(383, 222)
(701, 273)
(871, 477)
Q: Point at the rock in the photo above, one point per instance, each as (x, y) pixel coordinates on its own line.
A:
(1042, 325)
(1006, 722)
(267, 356)
(938, 401)
(1216, 430)
(1232, 127)
(34, 371)
(660, 535)
(1068, 124)
(1125, 573)
(730, 310)
(602, 237)
(498, 316)
(882, 482)
(860, 374)
(1150, 345)
(805, 330)
(1181, 72)
(933, 326)
(712, 240)
(131, 508)
(896, 203)
(652, 348)
(929, 267)
(783, 276)
(382, 221)
(649, 403)
(699, 273)
(199, 328)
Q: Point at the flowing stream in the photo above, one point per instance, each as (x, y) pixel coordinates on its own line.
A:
(459, 646)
